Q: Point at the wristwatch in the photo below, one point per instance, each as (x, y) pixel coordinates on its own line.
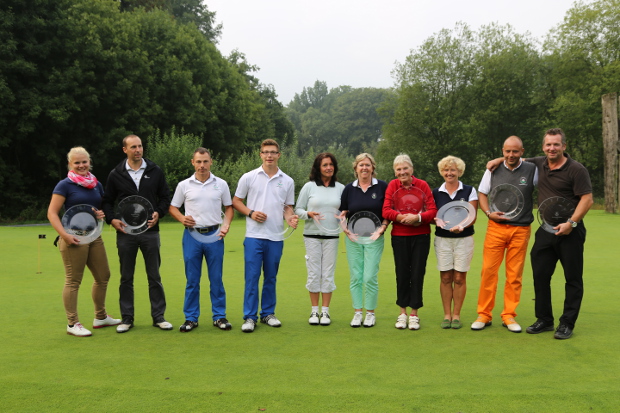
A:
(572, 223)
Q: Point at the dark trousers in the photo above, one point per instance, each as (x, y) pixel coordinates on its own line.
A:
(410, 254)
(128, 245)
(547, 250)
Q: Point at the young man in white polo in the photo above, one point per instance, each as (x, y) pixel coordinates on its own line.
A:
(267, 191)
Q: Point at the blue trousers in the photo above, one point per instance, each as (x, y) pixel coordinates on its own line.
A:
(265, 254)
(193, 251)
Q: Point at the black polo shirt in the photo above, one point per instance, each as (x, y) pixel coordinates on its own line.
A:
(570, 181)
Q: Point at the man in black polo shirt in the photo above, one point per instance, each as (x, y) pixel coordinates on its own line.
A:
(560, 175)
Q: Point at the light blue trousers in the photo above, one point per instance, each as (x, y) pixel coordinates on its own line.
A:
(364, 270)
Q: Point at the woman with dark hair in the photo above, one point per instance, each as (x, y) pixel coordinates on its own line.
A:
(321, 194)
(81, 187)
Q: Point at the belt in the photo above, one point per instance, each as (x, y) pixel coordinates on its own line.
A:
(204, 230)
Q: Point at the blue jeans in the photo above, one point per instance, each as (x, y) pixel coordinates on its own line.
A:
(265, 254)
(193, 251)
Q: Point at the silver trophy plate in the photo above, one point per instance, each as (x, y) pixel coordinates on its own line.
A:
(81, 222)
(508, 199)
(135, 212)
(200, 234)
(362, 225)
(455, 213)
(554, 211)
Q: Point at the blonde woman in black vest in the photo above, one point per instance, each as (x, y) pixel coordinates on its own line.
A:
(454, 248)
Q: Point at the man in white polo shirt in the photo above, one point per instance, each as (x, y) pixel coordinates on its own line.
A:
(203, 195)
(268, 191)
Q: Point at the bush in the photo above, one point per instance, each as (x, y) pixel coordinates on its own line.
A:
(173, 153)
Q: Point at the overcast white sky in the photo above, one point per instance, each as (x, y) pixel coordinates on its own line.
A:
(356, 43)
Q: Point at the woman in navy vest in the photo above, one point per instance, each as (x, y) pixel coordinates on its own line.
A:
(366, 193)
(454, 248)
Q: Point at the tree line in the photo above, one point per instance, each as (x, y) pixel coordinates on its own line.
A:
(463, 91)
(88, 72)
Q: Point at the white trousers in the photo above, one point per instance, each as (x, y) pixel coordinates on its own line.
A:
(321, 257)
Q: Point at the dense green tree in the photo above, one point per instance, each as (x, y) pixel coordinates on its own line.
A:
(272, 121)
(310, 97)
(173, 152)
(196, 12)
(503, 94)
(80, 72)
(432, 101)
(339, 117)
(356, 119)
(185, 11)
(462, 93)
(582, 55)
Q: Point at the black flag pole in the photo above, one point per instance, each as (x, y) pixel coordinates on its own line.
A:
(41, 236)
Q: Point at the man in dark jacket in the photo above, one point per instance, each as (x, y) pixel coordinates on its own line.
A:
(138, 176)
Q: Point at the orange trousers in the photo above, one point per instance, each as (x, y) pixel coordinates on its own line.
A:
(513, 241)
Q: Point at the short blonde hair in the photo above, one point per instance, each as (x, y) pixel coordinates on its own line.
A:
(452, 160)
(402, 158)
(78, 150)
(359, 158)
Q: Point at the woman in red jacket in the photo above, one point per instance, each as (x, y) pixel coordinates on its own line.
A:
(411, 239)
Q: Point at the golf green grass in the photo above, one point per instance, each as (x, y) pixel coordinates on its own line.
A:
(298, 367)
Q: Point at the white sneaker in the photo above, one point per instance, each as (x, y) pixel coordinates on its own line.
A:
(325, 320)
(401, 322)
(414, 322)
(369, 321)
(271, 321)
(314, 319)
(78, 330)
(480, 324)
(162, 324)
(248, 325)
(357, 320)
(107, 321)
(125, 325)
(512, 325)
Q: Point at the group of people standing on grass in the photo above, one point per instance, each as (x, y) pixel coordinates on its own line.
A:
(266, 197)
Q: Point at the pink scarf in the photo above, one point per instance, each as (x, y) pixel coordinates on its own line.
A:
(89, 181)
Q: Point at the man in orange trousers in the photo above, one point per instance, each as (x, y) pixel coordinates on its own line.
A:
(505, 195)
